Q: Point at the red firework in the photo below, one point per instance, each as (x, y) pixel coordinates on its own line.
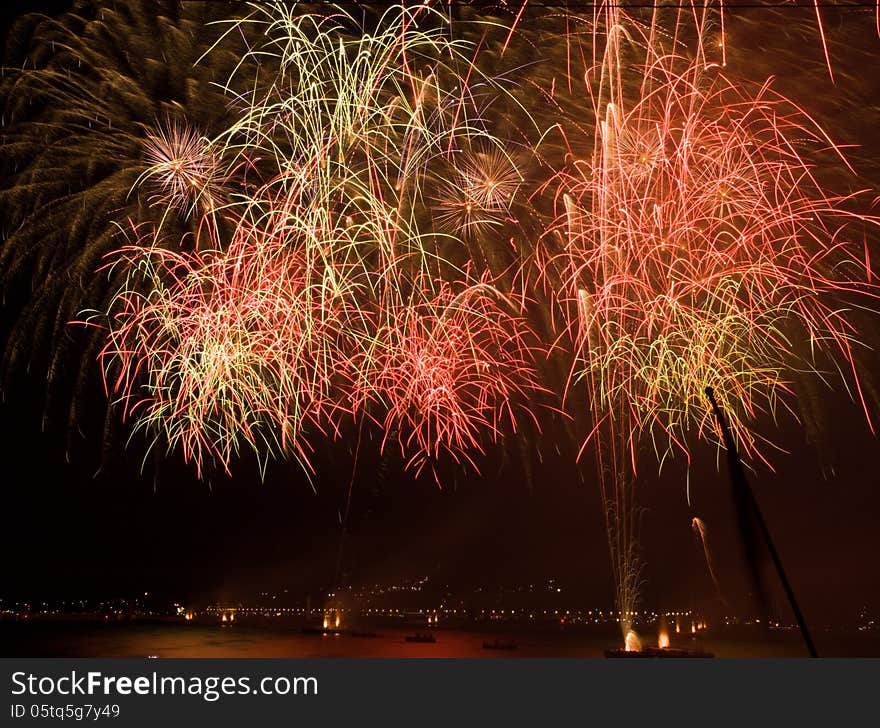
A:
(699, 248)
(453, 368)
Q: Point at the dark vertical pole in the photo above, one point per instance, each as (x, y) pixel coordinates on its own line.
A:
(738, 477)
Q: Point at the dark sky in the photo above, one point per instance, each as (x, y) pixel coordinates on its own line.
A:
(67, 533)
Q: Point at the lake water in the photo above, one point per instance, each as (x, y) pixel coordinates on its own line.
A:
(94, 639)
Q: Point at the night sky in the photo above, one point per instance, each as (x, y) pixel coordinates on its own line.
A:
(70, 531)
(69, 534)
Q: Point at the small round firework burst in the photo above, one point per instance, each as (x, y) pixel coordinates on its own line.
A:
(480, 195)
(183, 167)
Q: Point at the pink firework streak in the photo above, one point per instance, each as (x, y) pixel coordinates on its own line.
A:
(286, 334)
(454, 367)
(694, 246)
(229, 349)
(700, 249)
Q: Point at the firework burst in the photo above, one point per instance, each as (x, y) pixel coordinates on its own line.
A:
(79, 107)
(707, 266)
(182, 167)
(454, 369)
(480, 194)
(330, 266)
(227, 349)
(697, 248)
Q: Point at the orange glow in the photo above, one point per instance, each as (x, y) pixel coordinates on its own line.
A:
(337, 620)
(633, 643)
(663, 639)
(326, 622)
(693, 628)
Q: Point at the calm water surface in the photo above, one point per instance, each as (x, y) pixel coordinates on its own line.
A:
(71, 639)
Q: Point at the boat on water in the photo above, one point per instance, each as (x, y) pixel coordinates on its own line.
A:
(499, 645)
(656, 652)
(420, 637)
